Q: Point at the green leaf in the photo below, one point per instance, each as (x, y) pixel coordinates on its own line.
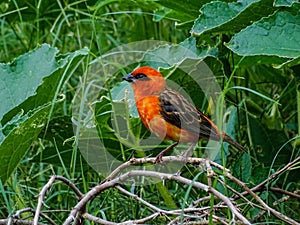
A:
(232, 125)
(289, 63)
(182, 6)
(246, 166)
(160, 14)
(169, 55)
(16, 144)
(288, 3)
(32, 79)
(260, 172)
(112, 131)
(58, 144)
(276, 35)
(266, 142)
(231, 129)
(30, 86)
(243, 167)
(20, 79)
(225, 17)
(118, 93)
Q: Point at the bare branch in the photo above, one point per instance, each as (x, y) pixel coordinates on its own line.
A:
(40, 200)
(161, 211)
(141, 200)
(273, 176)
(46, 188)
(71, 185)
(291, 194)
(129, 222)
(17, 222)
(257, 198)
(166, 159)
(17, 216)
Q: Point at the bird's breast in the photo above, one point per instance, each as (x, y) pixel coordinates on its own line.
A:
(149, 109)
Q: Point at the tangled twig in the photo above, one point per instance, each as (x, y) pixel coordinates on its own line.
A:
(193, 211)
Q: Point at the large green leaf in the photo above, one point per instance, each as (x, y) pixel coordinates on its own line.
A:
(277, 35)
(178, 9)
(15, 145)
(169, 55)
(225, 17)
(30, 86)
(20, 79)
(32, 80)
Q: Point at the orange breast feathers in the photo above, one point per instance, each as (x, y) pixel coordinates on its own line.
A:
(150, 109)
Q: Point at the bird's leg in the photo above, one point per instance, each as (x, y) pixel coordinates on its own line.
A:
(163, 152)
(188, 152)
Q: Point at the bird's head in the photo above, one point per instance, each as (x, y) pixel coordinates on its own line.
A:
(146, 81)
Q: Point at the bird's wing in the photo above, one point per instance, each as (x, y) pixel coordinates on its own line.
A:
(178, 111)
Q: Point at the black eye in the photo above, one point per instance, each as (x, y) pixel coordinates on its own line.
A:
(141, 76)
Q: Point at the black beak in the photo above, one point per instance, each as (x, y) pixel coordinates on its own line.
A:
(129, 78)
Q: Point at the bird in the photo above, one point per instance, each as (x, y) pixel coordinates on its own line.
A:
(168, 114)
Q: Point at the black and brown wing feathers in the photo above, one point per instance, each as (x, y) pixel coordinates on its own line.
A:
(181, 113)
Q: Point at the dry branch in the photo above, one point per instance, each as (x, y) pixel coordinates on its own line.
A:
(46, 188)
(17, 222)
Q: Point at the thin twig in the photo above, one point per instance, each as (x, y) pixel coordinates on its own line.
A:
(165, 159)
(241, 196)
(40, 200)
(71, 185)
(46, 188)
(18, 222)
(141, 200)
(21, 211)
(161, 211)
(291, 194)
(257, 198)
(273, 176)
(18, 214)
(198, 201)
(129, 222)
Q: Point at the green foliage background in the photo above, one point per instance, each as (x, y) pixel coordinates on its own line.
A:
(252, 46)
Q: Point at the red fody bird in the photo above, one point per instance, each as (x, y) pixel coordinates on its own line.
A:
(168, 114)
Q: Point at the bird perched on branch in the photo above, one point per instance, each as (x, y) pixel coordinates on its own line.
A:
(168, 114)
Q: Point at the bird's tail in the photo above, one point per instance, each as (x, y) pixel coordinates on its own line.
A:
(229, 140)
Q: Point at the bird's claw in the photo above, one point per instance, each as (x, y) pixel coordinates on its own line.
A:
(158, 158)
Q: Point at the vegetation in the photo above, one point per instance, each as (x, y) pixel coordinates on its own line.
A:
(67, 120)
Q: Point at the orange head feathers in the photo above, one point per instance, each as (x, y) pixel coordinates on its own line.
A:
(167, 113)
(145, 81)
